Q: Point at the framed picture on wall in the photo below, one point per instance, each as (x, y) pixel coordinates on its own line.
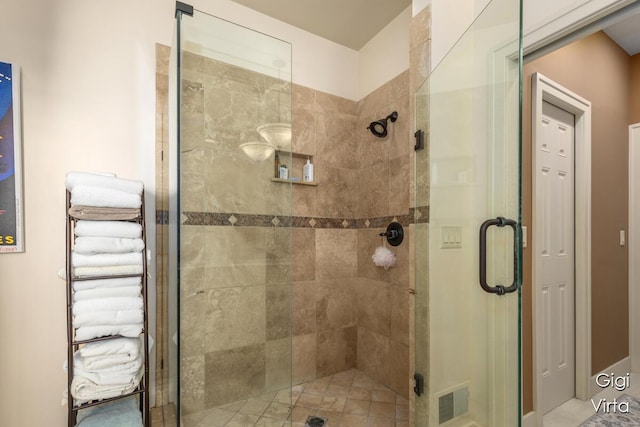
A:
(11, 203)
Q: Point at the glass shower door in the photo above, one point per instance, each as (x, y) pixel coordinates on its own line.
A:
(467, 279)
(233, 231)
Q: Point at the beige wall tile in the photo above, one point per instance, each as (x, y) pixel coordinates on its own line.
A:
(336, 255)
(227, 246)
(234, 374)
(335, 302)
(304, 358)
(399, 316)
(192, 396)
(337, 192)
(278, 355)
(373, 354)
(278, 307)
(374, 311)
(373, 191)
(399, 185)
(303, 254)
(328, 103)
(336, 351)
(235, 317)
(399, 368)
(420, 27)
(193, 309)
(305, 199)
(335, 141)
(304, 308)
(304, 129)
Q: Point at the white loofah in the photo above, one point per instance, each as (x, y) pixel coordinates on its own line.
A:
(383, 257)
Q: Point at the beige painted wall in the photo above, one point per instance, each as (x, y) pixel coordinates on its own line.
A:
(88, 103)
(598, 70)
(634, 101)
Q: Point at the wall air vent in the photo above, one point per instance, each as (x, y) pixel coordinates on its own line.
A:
(453, 404)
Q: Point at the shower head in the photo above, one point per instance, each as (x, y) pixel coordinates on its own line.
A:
(379, 127)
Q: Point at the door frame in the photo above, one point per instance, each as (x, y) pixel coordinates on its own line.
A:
(634, 246)
(545, 89)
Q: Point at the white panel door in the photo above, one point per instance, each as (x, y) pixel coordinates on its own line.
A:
(555, 234)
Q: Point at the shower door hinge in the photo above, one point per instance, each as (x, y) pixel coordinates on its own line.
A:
(419, 387)
(419, 140)
(185, 8)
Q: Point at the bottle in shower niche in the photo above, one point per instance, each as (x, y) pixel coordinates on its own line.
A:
(283, 172)
(307, 171)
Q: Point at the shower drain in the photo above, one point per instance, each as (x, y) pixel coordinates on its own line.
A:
(313, 421)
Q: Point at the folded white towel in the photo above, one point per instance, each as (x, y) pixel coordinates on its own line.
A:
(131, 230)
(125, 291)
(112, 270)
(104, 197)
(114, 374)
(90, 332)
(119, 282)
(109, 181)
(127, 346)
(114, 303)
(105, 260)
(112, 245)
(84, 390)
(107, 317)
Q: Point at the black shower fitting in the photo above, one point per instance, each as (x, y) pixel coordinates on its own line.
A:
(394, 233)
(379, 127)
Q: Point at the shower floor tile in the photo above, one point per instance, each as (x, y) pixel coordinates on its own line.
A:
(346, 399)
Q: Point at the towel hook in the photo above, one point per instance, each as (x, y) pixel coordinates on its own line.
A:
(394, 233)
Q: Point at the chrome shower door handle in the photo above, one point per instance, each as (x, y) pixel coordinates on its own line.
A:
(498, 222)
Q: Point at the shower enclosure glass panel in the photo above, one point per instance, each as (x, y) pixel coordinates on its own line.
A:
(233, 231)
(467, 339)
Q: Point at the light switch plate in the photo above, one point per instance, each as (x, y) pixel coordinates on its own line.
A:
(451, 238)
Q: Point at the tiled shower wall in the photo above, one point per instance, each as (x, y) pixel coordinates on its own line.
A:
(345, 312)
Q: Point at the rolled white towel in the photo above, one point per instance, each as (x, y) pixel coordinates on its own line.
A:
(114, 245)
(119, 282)
(131, 230)
(125, 291)
(90, 332)
(115, 303)
(111, 270)
(105, 260)
(104, 197)
(107, 317)
(110, 181)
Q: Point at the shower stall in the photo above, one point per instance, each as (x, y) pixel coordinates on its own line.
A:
(277, 313)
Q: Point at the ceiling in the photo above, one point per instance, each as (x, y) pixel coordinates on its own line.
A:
(627, 34)
(351, 23)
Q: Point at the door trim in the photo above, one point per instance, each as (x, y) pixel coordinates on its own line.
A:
(545, 89)
(634, 247)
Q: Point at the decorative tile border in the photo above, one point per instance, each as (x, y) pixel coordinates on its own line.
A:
(419, 214)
